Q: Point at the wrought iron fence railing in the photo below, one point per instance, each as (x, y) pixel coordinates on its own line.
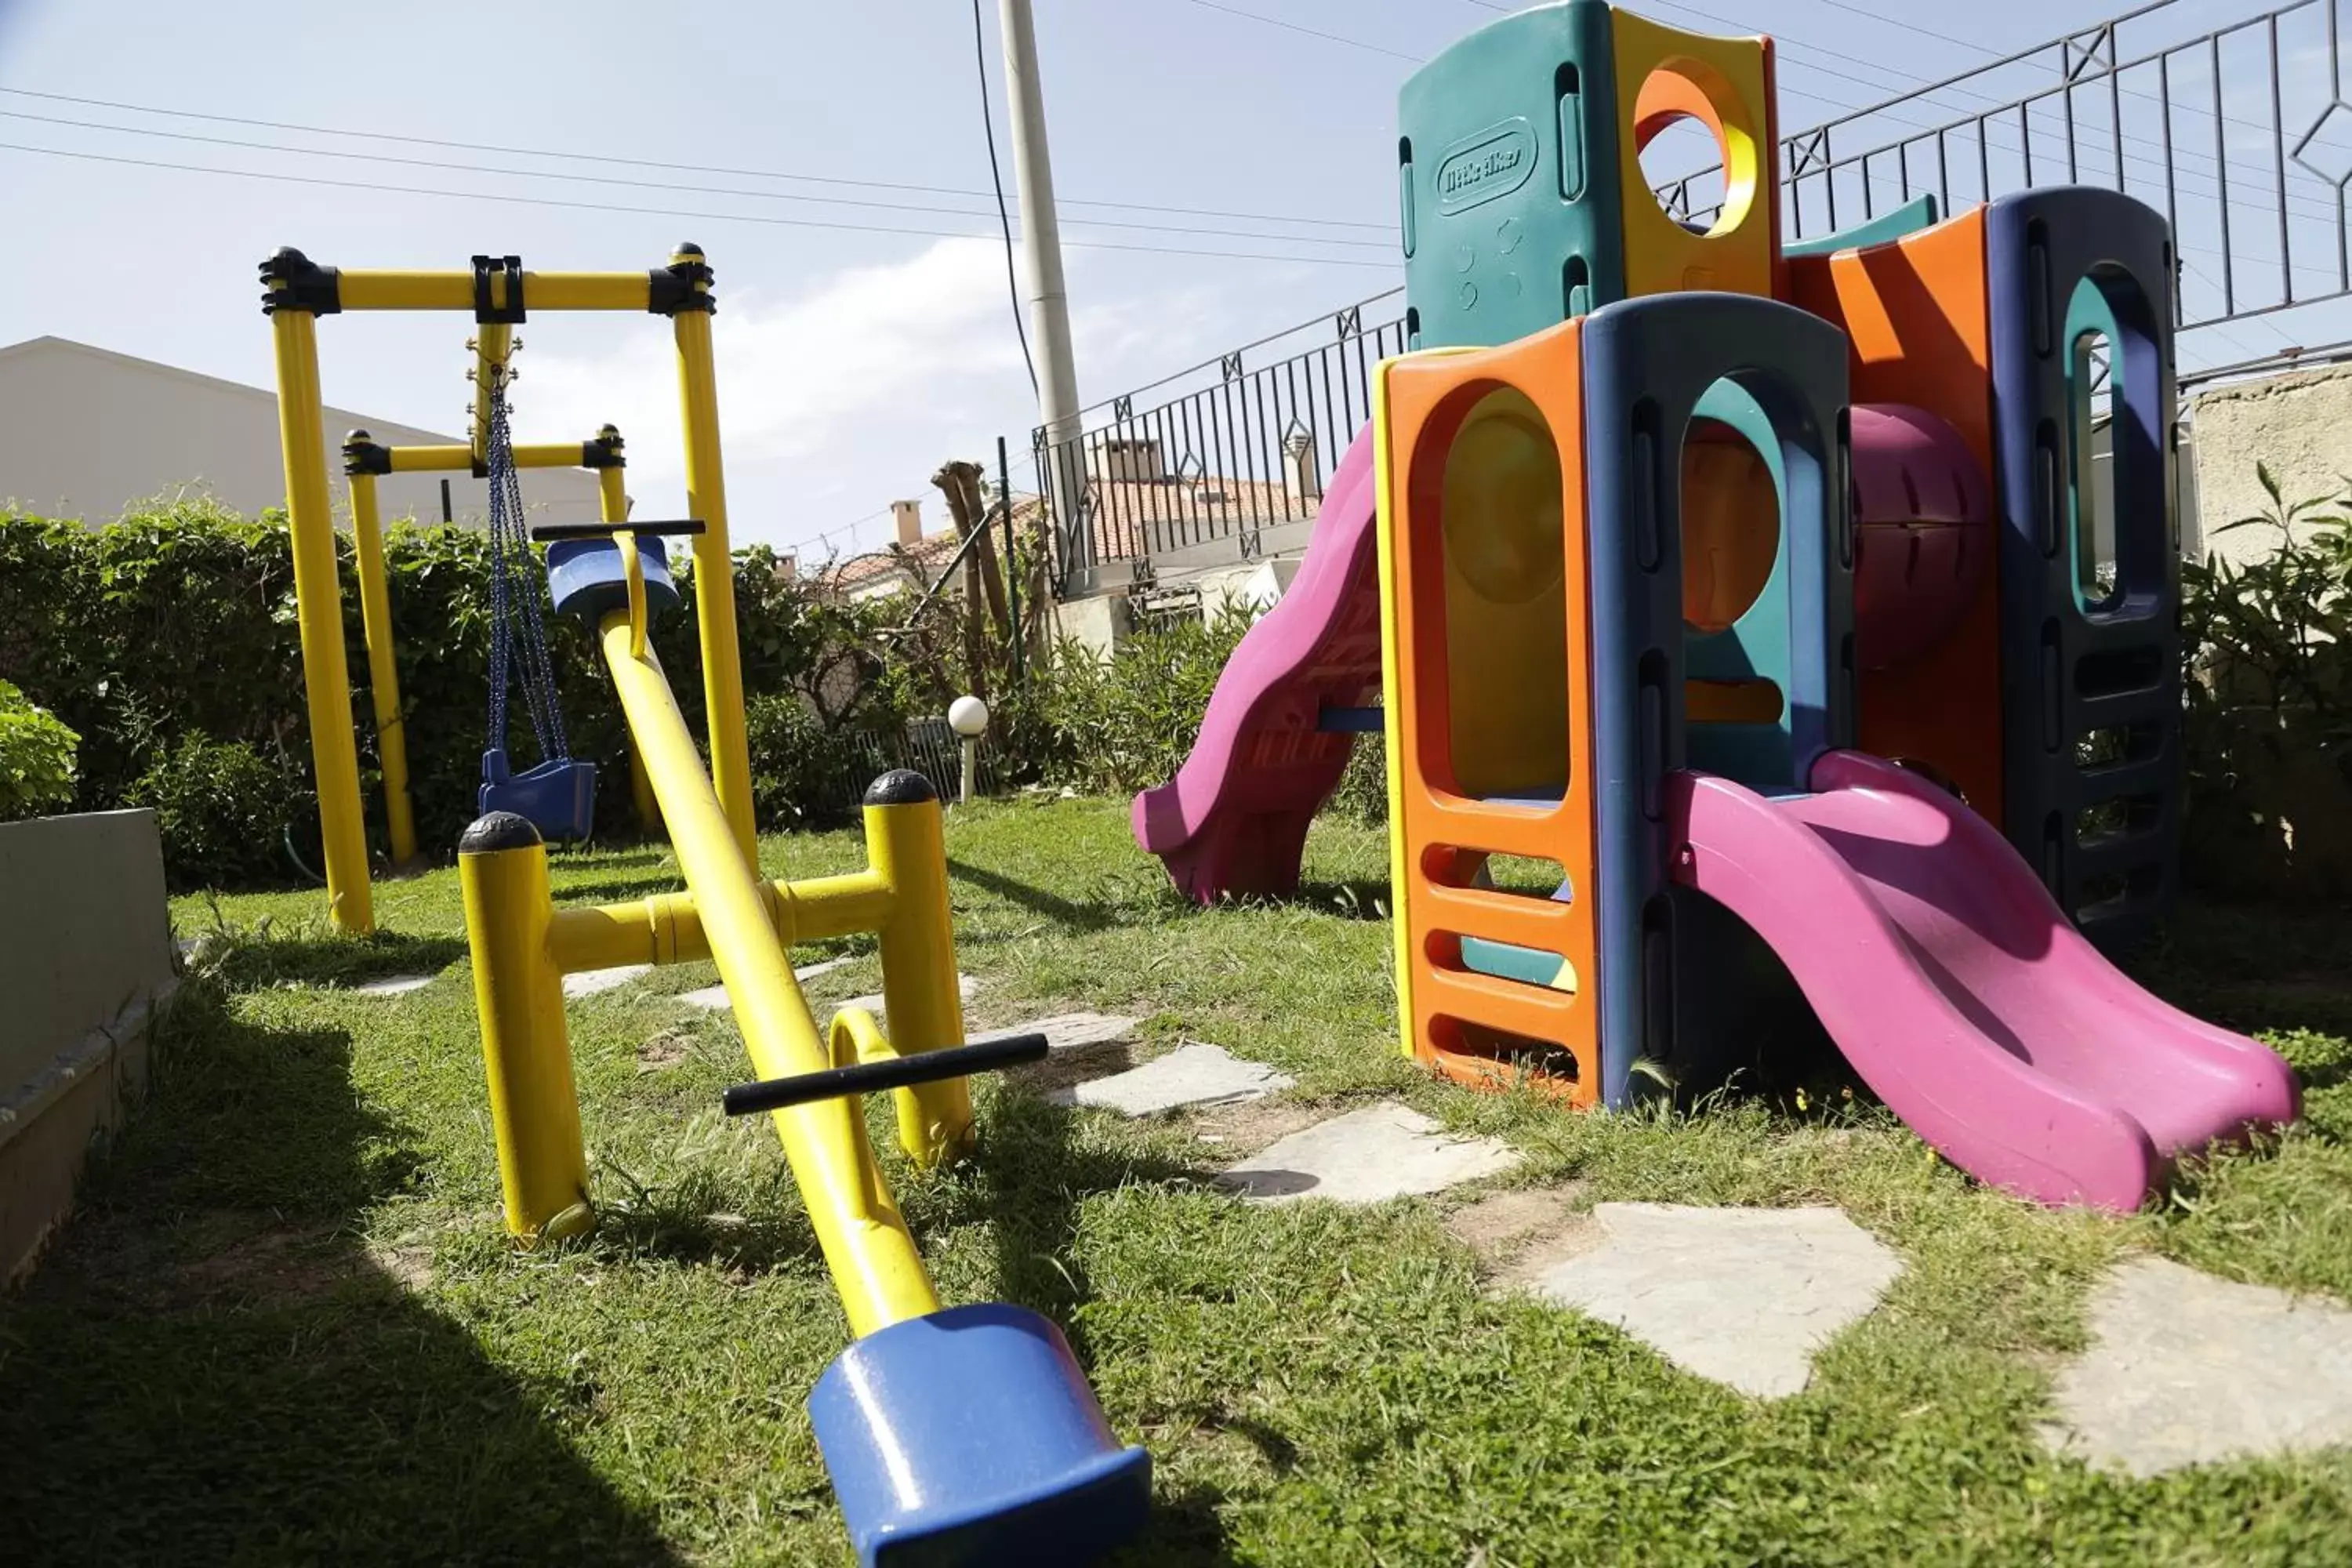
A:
(2240, 134)
(1217, 453)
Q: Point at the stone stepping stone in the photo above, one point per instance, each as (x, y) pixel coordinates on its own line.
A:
(1074, 1031)
(713, 998)
(594, 982)
(1742, 1295)
(2186, 1369)
(392, 985)
(1368, 1156)
(1194, 1074)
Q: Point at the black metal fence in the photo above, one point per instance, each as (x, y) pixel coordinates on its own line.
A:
(2240, 134)
(1219, 451)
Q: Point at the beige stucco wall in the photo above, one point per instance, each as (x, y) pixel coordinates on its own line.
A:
(84, 961)
(2299, 423)
(85, 432)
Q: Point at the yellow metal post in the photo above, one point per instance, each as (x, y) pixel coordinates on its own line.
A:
(874, 1261)
(384, 670)
(905, 845)
(493, 343)
(319, 609)
(613, 506)
(714, 566)
(517, 992)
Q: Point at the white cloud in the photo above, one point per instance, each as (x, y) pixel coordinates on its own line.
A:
(834, 399)
(795, 374)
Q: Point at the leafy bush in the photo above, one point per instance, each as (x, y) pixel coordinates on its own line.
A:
(228, 814)
(171, 633)
(2268, 729)
(1127, 721)
(1363, 793)
(36, 757)
(802, 774)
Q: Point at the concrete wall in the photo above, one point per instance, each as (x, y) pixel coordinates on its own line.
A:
(84, 962)
(84, 432)
(2299, 423)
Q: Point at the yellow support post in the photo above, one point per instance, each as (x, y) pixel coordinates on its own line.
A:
(613, 506)
(383, 671)
(714, 565)
(519, 993)
(493, 343)
(319, 608)
(905, 847)
(874, 1261)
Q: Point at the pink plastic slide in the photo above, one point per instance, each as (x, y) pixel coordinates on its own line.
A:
(1234, 817)
(1961, 994)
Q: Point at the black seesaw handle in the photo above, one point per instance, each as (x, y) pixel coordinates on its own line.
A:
(898, 1072)
(550, 532)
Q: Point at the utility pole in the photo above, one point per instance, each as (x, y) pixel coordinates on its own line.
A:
(1048, 297)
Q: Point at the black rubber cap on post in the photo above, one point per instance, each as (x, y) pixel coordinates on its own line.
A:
(900, 786)
(498, 830)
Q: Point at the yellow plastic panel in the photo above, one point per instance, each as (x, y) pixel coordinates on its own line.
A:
(1664, 74)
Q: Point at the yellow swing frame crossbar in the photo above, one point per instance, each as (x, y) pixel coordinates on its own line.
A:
(297, 292)
(364, 461)
(523, 946)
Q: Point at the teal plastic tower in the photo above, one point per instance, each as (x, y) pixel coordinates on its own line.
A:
(1508, 177)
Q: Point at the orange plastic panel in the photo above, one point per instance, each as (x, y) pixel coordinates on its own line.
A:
(1491, 690)
(1915, 312)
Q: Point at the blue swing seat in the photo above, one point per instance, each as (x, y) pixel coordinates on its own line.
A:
(558, 797)
(584, 577)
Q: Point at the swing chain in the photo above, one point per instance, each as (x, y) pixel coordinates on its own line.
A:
(518, 626)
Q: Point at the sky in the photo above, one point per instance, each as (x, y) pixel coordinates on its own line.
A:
(1225, 168)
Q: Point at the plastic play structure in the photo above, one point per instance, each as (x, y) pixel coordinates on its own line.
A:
(1736, 619)
(964, 1434)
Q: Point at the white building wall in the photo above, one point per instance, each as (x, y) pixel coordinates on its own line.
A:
(85, 432)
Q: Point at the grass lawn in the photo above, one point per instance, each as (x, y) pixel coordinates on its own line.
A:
(287, 1326)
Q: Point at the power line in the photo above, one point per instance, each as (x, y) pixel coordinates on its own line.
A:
(1310, 32)
(163, 111)
(1907, 26)
(656, 185)
(383, 188)
(825, 536)
(996, 176)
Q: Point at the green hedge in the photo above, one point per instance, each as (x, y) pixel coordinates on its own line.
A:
(36, 757)
(167, 639)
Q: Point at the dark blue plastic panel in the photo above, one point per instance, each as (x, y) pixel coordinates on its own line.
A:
(971, 1436)
(584, 577)
(1647, 364)
(2071, 670)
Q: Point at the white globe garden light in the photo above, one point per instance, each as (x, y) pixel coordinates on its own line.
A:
(968, 717)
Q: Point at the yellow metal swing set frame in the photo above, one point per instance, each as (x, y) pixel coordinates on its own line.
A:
(522, 944)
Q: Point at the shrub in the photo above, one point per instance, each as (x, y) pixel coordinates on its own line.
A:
(802, 774)
(227, 813)
(171, 633)
(36, 757)
(1127, 721)
(2267, 735)
(1363, 793)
